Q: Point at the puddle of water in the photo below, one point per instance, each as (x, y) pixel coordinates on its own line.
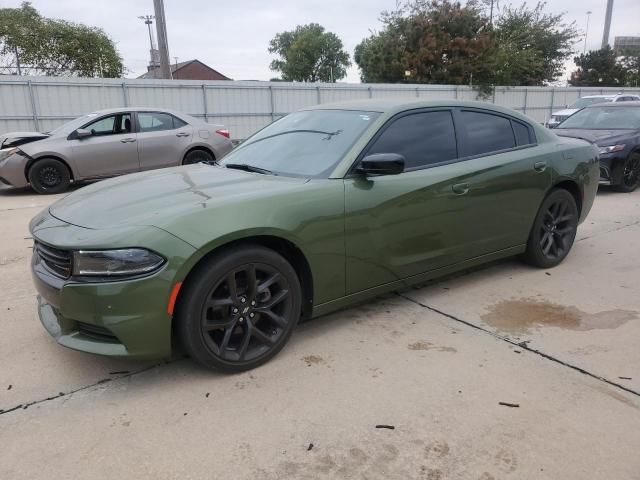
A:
(521, 315)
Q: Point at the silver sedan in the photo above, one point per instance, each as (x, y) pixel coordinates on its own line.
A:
(107, 143)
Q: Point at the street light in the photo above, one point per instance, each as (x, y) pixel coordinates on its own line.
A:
(586, 33)
(148, 20)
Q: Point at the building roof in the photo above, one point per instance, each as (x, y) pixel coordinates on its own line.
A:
(175, 67)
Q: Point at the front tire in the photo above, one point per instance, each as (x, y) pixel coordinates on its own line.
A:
(554, 230)
(239, 308)
(630, 174)
(49, 176)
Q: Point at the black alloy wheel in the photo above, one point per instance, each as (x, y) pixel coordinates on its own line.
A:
(554, 230)
(49, 176)
(630, 174)
(240, 311)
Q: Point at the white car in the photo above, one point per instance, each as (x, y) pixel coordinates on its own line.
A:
(561, 115)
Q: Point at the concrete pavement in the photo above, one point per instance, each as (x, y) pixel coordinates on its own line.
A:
(433, 363)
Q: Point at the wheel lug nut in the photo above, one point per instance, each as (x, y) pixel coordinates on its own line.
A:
(243, 299)
(253, 302)
(241, 320)
(252, 315)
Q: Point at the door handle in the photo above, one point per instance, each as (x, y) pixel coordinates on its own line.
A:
(182, 134)
(540, 166)
(128, 140)
(460, 188)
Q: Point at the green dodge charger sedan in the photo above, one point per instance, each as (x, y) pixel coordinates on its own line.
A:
(326, 207)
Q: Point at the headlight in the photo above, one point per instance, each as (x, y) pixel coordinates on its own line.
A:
(611, 149)
(5, 153)
(115, 263)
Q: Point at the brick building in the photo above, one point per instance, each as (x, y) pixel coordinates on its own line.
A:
(189, 70)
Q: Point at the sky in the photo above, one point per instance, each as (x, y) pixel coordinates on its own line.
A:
(233, 36)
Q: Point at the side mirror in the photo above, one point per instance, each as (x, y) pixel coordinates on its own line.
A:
(82, 133)
(381, 164)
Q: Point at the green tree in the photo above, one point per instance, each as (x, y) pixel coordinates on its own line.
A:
(435, 41)
(309, 54)
(598, 68)
(531, 45)
(630, 61)
(54, 47)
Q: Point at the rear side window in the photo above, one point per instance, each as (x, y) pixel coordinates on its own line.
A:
(422, 138)
(522, 133)
(158, 121)
(487, 133)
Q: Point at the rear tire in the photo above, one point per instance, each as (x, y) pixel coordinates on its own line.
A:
(49, 176)
(239, 308)
(554, 230)
(630, 174)
(198, 156)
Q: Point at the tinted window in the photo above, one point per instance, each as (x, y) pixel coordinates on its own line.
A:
(155, 121)
(422, 138)
(113, 124)
(487, 133)
(177, 123)
(522, 133)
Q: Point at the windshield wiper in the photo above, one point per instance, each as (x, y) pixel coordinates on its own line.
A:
(329, 135)
(249, 168)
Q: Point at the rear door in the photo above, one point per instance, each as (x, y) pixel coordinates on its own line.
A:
(110, 150)
(507, 177)
(163, 139)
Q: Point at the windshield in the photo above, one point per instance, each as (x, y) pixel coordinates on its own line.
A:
(67, 128)
(585, 102)
(302, 144)
(604, 118)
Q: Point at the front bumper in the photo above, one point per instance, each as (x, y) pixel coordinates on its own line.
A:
(12, 171)
(125, 318)
(612, 168)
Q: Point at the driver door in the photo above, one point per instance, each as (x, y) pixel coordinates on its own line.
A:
(111, 149)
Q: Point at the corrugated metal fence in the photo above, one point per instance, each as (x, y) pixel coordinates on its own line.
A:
(42, 103)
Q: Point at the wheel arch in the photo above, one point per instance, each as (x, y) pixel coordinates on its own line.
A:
(33, 161)
(205, 148)
(573, 188)
(289, 251)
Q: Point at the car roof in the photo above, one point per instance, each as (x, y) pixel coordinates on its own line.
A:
(634, 103)
(136, 109)
(604, 96)
(393, 106)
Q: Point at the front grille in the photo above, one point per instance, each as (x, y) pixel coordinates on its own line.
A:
(96, 332)
(54, 260)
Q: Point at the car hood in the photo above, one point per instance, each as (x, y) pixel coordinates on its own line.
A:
(155, 198)
(599, 137)
(565, 113)
(14, 139)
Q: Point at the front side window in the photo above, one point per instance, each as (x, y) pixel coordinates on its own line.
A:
(303, 144)
(423, 139)
(111, 125)
(487, 133)
(157, 122)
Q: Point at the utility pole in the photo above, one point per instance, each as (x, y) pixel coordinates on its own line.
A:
(607, 24)
(586, 32)
(18, 60)
(163, 44)
(153, 51)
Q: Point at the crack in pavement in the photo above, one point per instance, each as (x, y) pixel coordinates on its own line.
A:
(597, 234)
(24, 406)
(522, 345)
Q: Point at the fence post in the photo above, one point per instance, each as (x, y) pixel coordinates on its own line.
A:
(34, 111)
(125, 96)
(417, 92)
(526, 94)
(455, 92)
(318, 94)
(370, 92)
(204, 101)
(272, 102)
(553, 101)
(493, 98)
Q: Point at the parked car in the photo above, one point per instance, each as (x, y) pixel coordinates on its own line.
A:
(615, 129)
(326, 207)
(562, 115)
(107, 143)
